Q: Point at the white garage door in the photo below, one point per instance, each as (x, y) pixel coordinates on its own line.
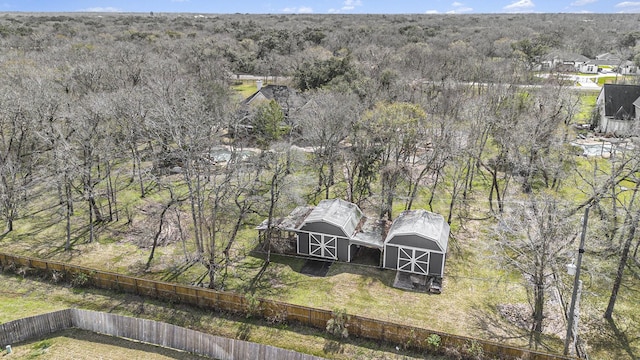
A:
(413, 260)
(323, 246)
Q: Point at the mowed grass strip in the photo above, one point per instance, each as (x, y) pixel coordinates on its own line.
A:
(85, 345)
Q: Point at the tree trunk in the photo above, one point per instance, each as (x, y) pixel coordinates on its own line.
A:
(538, 309)
(621, 265)
(157, 234)
(69, 212)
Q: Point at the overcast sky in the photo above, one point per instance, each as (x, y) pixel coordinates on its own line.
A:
(327, 6)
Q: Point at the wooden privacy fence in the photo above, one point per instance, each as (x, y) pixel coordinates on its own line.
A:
(224, 301)
(148, 331)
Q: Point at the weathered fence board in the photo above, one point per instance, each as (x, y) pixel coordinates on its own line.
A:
(34, 326)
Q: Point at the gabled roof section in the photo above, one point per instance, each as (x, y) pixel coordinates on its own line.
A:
(619, 100)
(291, 221)
(271, 92)
(340, 213)
(603, 62)
(608, 57)
(565, 56)
(422, 223)
(369, 233)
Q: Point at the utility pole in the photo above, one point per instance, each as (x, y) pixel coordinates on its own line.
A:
(576, 285)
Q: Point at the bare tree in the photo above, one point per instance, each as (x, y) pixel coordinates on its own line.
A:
(326, 121)
(532, 234)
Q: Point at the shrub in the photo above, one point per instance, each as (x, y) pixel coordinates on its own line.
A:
(56, 276)
(474, 350)
(337, 325)
(79, 279)
(434, 341)
(253, 305)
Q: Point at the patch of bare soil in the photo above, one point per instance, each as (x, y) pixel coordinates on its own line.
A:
(145, 227)
(520, 316)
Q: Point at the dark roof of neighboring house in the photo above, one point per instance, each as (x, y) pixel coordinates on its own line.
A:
(619, 100)
(565, 56)
(603, 62)
(608, 56)
(422, 223)
(272, 92)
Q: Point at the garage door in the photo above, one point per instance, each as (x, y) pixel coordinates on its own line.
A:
(413, 260)
(323, 246)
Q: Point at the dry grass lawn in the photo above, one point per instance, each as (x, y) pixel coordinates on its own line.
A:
(85, 345)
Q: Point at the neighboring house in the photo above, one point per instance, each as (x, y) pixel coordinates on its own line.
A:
(564, 62)
(287, 98)
(618, 109)
(417, 243)
(628, 68)
(595, 66)
(602, 61)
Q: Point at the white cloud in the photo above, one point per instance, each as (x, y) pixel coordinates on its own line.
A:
(348, 5)
(353, 3)
(520, 5)
(459, 8)
(298, 10)
(101, 9)
(628, 6)
(432, 12)
(582, 2)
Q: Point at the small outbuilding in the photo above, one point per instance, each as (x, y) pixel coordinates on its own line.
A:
(327, 231)
(417, 243)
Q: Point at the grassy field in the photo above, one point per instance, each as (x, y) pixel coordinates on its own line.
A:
(84, 345)
(42, 297)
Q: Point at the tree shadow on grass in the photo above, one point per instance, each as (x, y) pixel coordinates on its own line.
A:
(497, 329)
(333, 347)
(244, 331)
(267, 282)
(622, 339)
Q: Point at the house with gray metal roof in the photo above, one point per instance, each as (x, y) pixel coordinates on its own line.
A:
(417, 243)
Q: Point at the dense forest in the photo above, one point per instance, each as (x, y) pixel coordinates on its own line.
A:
(392, 112)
